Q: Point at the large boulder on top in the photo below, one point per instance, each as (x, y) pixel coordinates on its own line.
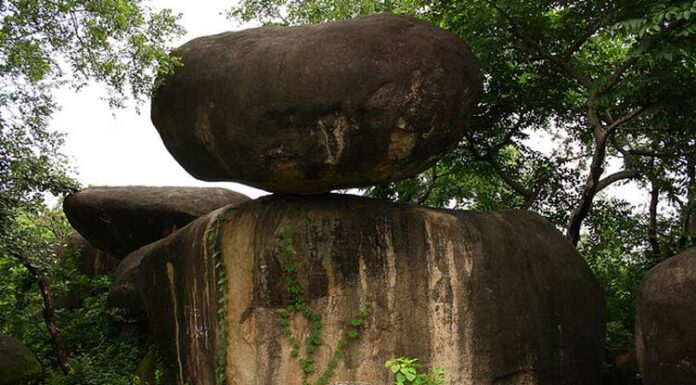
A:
(666, 322)
(312, 108)
(18, 365)
(492, 297)
(119, 220)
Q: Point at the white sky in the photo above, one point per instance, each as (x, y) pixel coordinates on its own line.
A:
(122, 147)
(115, 148)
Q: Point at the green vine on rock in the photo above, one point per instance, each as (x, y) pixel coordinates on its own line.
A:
(406, 372)
(312, 342)
(221, 277)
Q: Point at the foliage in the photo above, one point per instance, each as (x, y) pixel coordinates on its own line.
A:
(100, 354)
(299, 306)
(405, 372)
(221, 274)
(616, 254)
(121, 44)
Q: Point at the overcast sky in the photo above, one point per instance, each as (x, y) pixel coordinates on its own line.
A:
(123, 148)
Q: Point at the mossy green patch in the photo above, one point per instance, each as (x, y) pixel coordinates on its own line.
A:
(18, 365)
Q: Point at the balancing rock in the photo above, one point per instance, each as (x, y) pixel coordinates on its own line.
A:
(492, 297)
(666, 322)
(313, 108)
(119, 220)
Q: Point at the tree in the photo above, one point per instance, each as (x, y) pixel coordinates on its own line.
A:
(44, 45)
(101, 351)
(36, 240)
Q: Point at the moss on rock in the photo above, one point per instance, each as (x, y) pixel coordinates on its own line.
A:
(18, 365)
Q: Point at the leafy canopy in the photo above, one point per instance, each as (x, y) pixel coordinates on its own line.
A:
(46, 44)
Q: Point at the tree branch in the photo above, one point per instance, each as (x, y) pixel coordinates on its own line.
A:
(652, 222)
(613, 80)
(49, 313)
(631, 115)
(575, 46)
(431, 187)
(631, 60)
(615, 177)
(573, 72)
(628, 157)
(529, 195)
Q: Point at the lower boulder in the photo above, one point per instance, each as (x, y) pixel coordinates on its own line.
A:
(122, 219)
(491, 297)
(92, 262)
(623, 369)
(666, 322)
(18, 365)
(123, 303)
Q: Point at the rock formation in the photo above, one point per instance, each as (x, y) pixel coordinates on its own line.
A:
(666, 322)
(313, 108)
(92, 262)
(623, 369)
(123, 302)
(494, 298)
(18, 365)
(497, 298)
(119, 220)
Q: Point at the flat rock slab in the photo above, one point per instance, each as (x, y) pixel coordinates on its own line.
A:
(119, 220)
(666, 322)
(313, 108)
(18, 365)
(491, 297)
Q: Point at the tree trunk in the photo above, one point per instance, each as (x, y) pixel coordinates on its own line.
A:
(690, 214)
(49, 313)
(596, 170)
(652, 224)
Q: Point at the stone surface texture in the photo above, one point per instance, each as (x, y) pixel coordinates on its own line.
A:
(92, 262)
(18, 365)
(666, 322)
(494, 298)
(313, 108)
(120, 220)
(123, 303)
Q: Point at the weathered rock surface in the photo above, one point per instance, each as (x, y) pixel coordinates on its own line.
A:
(92, 262)
(123, 303)
(18, 365)
(147, 369)
(120, 220)
(494, 298)
(313, 108)
(624, 369)
(666, 322)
